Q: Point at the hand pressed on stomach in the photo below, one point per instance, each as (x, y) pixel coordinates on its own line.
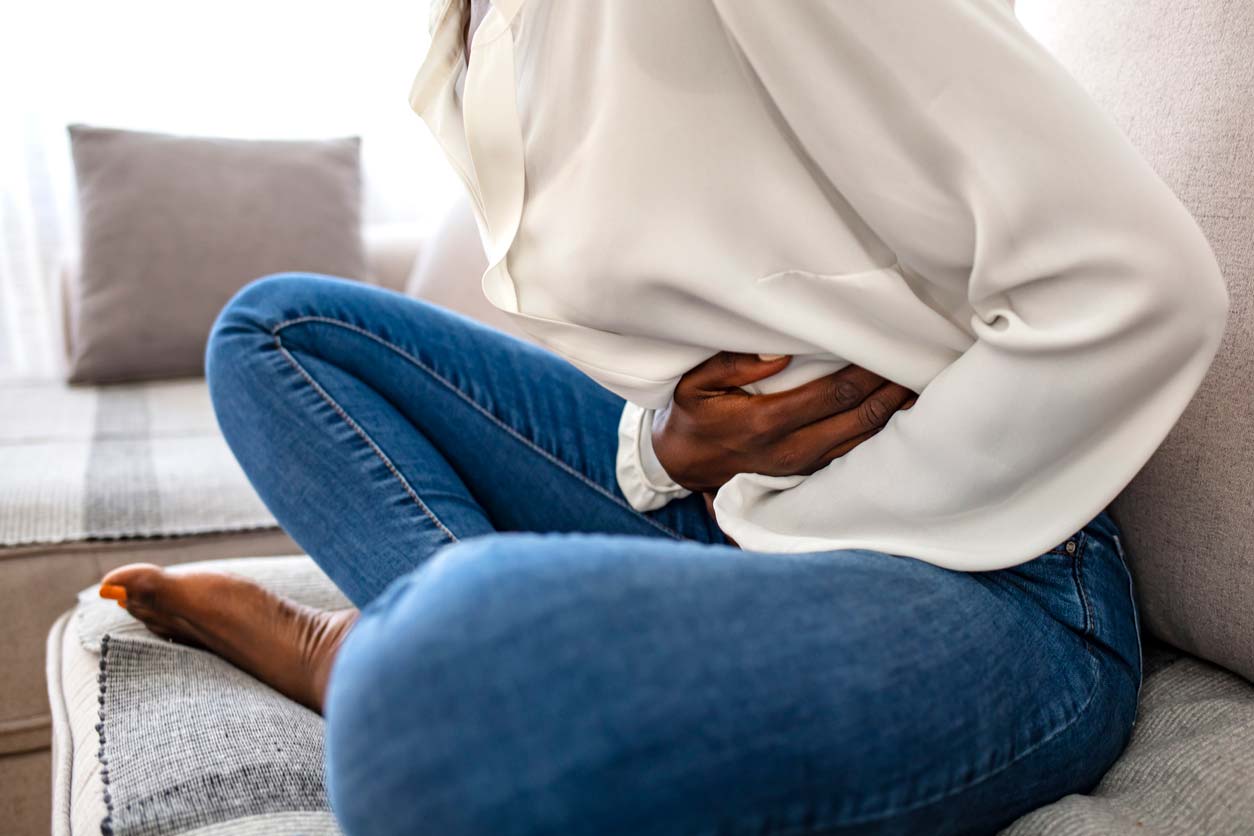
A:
(712, 429)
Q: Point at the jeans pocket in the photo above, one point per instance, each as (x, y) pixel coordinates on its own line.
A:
(1054, 581)
(1110, 589)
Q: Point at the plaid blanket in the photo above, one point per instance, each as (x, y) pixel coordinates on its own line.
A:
(136, 460)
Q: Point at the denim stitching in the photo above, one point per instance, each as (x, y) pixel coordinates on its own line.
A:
(339, 410)
(1136, 620)
(1090, 621)
(482, 411)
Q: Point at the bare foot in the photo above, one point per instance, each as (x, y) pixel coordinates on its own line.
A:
(286, 645)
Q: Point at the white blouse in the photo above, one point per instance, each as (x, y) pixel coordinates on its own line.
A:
(915, 187)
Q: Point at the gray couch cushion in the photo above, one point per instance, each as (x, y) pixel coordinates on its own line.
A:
(1178, 77)
(188, 741)
(193, 746)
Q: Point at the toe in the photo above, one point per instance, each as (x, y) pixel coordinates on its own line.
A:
(135, 583)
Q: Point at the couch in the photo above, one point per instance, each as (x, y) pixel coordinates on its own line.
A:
(1178, 77)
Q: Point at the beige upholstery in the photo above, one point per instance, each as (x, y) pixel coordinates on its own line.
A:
(77, 792)
(1178, 77)
(450, 268)
(392, 252)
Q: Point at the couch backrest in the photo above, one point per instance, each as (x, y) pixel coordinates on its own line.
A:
(1178, 77)
(449, 269)
(391, 250)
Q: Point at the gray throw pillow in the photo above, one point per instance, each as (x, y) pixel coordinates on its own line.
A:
(172, 226)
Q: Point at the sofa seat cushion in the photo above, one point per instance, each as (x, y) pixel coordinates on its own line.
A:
(1189, 767)
(180, 740)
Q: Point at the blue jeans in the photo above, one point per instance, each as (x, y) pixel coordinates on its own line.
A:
(536, 657)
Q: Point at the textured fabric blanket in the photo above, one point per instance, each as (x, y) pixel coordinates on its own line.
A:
(190, 743)
(136, 460)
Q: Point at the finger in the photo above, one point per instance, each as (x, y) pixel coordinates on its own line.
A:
(790, 458)
(820, 398)
(872, 413)
(843, 448)
(729, 369)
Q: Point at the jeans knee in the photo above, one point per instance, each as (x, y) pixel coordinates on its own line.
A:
(262, 303)
(390, 705)
(435, 693)
(248, 319)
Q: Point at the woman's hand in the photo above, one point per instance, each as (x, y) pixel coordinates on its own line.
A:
(713, 430)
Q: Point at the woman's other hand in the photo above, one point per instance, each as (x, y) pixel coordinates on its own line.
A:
(713, 429)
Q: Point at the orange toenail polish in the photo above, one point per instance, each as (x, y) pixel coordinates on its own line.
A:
(114, 592)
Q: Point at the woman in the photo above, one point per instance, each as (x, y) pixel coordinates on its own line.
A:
(885, 312)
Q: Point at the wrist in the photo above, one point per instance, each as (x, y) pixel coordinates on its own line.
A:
(653, 472)
(660, 455)
(657, 442)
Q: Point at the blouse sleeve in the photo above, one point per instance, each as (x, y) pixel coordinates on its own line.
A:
(641, 477)
(1097, 302)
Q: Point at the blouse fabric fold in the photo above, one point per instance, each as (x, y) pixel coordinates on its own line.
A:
(918, 188)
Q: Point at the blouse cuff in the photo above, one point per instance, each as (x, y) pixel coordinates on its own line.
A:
(641, 477)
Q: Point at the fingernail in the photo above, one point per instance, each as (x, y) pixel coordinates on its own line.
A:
(769, 357)
(113, 592)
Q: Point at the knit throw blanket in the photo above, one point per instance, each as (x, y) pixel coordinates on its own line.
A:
(141, 460)
(190, 744)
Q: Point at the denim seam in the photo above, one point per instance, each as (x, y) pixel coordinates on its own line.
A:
(836, 826)
(370, 442)
(1077, 568)
(531, 445)
(1136, 620)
